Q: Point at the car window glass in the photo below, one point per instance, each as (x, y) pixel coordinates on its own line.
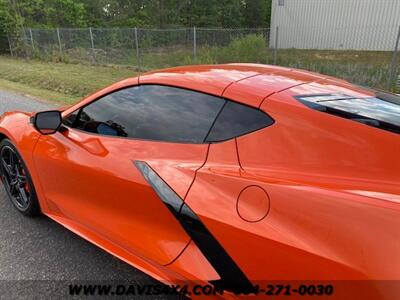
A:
(152, 112)
(237, 119)
(382, 112)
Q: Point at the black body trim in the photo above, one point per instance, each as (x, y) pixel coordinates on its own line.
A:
(167, 195)
(232, 277)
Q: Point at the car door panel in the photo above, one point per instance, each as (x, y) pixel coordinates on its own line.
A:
(92, 180)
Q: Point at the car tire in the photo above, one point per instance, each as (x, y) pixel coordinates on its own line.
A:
(17, 180)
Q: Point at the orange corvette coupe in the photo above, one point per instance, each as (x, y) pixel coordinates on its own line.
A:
(228, 175)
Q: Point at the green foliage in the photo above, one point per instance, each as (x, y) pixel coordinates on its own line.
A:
(369, 68)
(65, 13)
(255, 12)
(10, 19)
(62, 78)
(15, 14)
(18, 14)
(231, 14)
(205, 56)
(250, 48)
(40, 13)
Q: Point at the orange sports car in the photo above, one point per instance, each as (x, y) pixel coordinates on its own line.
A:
(231, 175)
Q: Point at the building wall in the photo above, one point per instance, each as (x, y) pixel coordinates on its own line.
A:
(335, 24)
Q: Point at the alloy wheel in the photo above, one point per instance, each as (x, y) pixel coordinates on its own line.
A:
(14, 178)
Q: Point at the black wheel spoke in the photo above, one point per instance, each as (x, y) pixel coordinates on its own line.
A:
(11, 159)
(23, 195)
(13, 187)
(14, 177)
(6, 167)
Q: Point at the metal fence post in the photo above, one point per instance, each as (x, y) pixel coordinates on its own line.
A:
(31, 38)
(91, 37)
(25, 42)
(194, 44)
(59, 40)
(92, 44)
(276, 44)
(393, 66)
(137, 49)
(9, 44)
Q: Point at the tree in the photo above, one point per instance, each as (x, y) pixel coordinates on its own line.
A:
(10, 17)
(65, 13)
(230, 13)
(15, 14)
(255, 13)
(95, 12)
(39, 13)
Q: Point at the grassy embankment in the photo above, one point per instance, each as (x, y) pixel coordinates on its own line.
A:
(57, 82)
(67, 82)
(370, 68)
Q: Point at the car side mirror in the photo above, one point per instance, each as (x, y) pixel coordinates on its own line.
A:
(47, 122)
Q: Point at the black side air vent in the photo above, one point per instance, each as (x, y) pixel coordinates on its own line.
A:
(232, 278)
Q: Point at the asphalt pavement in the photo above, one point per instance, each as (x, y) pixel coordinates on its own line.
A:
(37, 253)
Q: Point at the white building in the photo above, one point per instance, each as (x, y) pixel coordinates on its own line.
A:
(335, 24)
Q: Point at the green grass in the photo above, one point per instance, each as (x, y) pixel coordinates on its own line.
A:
(67, 82)
(57, 82)
(369, 68)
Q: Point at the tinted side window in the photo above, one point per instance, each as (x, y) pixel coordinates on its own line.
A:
(152, 112)
(382, 111)
(237, 119)
(70, 119)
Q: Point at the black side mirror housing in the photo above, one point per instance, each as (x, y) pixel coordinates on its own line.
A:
(47, 122)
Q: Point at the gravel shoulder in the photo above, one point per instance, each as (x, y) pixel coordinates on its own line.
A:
(10, 101)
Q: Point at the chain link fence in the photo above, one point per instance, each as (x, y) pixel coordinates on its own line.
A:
(143, 48)
(147, 49)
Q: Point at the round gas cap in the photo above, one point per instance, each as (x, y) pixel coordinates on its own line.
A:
(253, 204)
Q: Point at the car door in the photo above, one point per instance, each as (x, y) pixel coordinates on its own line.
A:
(89, 174)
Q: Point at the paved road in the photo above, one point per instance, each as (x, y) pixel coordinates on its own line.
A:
(40, 249)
